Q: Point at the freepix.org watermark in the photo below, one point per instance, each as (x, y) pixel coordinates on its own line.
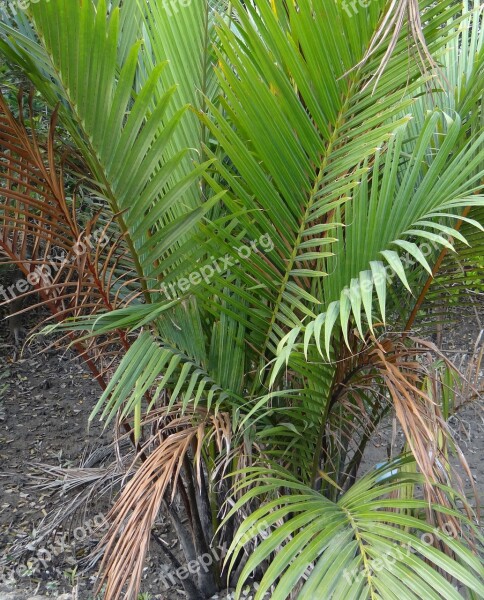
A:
(44, 557)
(170, 578)
(45, 272)
(351, 7)
(220, 266)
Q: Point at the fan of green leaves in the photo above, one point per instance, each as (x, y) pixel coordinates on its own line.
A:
(370, 543)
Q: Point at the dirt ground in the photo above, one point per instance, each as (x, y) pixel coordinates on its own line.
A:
(44, 409)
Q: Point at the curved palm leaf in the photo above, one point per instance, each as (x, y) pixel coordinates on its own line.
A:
(366, 545)
(127, 135)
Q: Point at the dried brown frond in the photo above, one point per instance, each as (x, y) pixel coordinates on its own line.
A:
(400, 371)
(405, 367)
(400, 13)
(164, 457)
(73, 269)
(76, 489)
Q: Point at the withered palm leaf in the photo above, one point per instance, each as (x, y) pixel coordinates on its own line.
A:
(132, 518)
(74, 269)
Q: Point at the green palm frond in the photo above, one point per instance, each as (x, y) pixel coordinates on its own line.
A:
(366, 545)
(139, 372)
(458, 283)
(124, 135)
(408, 213)
(304, 184)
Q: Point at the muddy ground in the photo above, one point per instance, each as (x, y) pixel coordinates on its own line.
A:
(44, 408)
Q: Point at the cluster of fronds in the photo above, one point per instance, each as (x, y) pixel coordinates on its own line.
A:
(287, 213)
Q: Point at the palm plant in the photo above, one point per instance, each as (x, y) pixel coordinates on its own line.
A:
(278, 182)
